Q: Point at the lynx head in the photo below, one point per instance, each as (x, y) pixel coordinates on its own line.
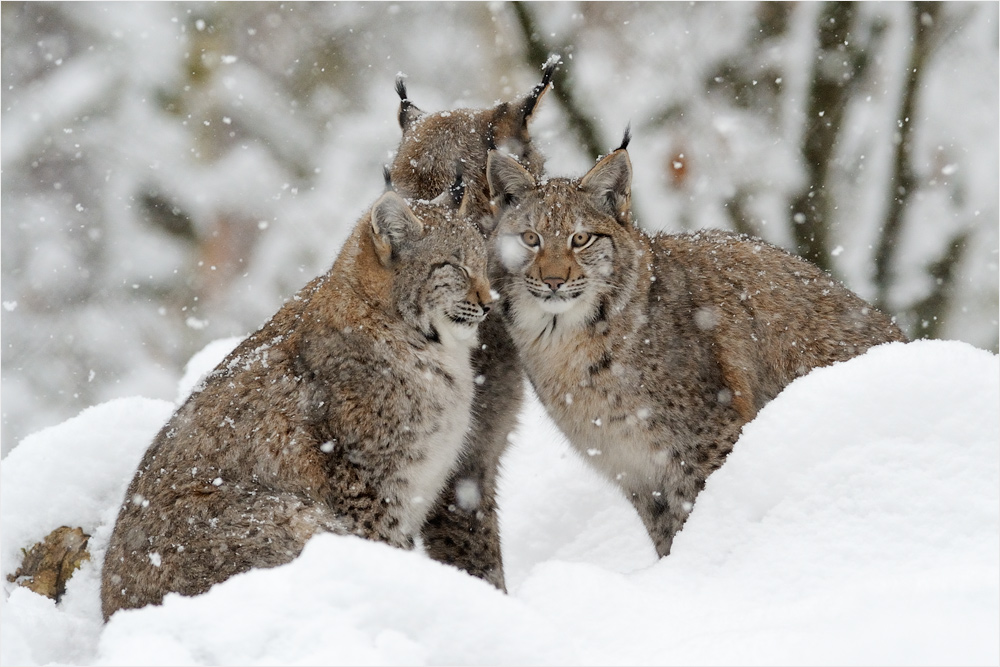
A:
(568, 247)
(437, 261)
(433, 143)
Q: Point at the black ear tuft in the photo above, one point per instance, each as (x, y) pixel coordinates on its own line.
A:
(408, 111)
(627, 137)
(548, 70)
(457, 189)
(490, 139)
(387, 177)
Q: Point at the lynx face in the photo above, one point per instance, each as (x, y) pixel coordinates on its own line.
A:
(439, 263)
(566, 246)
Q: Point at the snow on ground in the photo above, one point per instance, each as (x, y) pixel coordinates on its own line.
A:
(857, 521)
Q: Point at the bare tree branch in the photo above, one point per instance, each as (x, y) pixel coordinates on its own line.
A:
(903, 180)
(536, 53)
(740, 214)
(929, 313)
(840, 61)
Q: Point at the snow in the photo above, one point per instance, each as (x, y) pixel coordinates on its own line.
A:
(857, 521)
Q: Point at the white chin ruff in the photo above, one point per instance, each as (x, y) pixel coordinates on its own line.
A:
(557, 306)
(462, 334)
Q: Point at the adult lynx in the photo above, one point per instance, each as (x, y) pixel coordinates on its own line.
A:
(651, 352)
(345, 412)
(463, 530)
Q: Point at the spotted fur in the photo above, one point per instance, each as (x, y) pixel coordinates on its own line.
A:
(463, 528)
(345, 412)
(651, 352)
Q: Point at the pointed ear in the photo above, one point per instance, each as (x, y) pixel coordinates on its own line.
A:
(393, 225)
(531, 100)
(465, 206)
(454, 194)
(510, 119)
(609, 184)
(408, 112)
(508, 180)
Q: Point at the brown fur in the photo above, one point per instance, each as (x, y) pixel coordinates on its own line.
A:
(463, 528)
(436, 145)
(651, 352)
(345, 413)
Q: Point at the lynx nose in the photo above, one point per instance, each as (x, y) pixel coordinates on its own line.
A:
(483, 296)
(554, 283)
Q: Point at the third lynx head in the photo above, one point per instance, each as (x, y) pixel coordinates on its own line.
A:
(433, 144)
(651, 352)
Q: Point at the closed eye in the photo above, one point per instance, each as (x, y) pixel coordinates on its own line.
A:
(447, 267)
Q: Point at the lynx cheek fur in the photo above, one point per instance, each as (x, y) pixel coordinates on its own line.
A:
(651, 352)
(345, 412)
(463, 530)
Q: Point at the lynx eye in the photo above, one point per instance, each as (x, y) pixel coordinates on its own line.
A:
(581, 239)
(530, 239)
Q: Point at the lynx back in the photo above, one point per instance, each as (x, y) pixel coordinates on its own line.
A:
(651, 352)
(345, 412)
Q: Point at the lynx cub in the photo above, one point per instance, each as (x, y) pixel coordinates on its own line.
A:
(462, 530)
(345, 412)
(651, 352)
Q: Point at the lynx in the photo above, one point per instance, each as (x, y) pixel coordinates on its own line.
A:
(462, 530)
(650, 352)
(345, 413)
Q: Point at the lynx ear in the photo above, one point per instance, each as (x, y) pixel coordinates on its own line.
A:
(508, 180)
(609, 183)
(530, 102)
(455, 194)
(393, 225)
(461, 194)
(408, 111)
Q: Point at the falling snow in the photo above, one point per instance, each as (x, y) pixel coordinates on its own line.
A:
(855, 522)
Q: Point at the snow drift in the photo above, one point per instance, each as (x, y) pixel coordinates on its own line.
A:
(857, 521)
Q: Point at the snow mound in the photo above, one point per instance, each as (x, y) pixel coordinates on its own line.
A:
(344, 601)
(73, 473)
(857, 521)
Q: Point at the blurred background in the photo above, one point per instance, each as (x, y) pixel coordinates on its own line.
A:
(172, 172)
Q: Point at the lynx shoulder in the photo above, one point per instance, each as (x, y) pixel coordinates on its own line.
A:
(651, 352)
(345, 412)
